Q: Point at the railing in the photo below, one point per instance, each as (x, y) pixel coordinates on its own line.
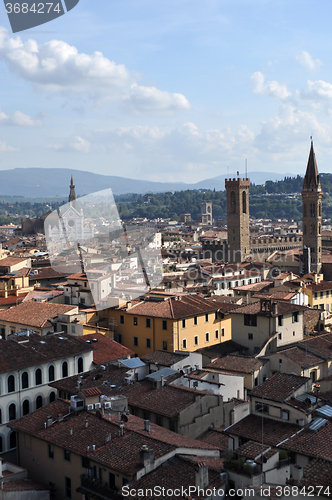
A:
(99, 488)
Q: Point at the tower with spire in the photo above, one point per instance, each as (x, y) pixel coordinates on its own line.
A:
(72, 194)
(312, 195)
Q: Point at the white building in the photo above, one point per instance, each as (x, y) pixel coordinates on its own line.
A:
(28, 363)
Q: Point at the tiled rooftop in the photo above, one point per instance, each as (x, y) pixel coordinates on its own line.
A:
(173, 307)
(250, 427)
(235, 363)
(255, 308)
(164, 358)
(303, 358)
(106, 349)
(121, 453)
(34, 314)
(279, 387)
(20, 352)
(312, 444)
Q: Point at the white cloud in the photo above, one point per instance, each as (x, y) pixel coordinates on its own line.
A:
(77, 144)
(142, 99)
(19, 119)
(57, 67)
(272, 88)
(308, 62)
(4, 148)
(291, 126)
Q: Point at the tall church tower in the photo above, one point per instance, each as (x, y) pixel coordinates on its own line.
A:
(237, 191)
(72, 194)
(312, 195)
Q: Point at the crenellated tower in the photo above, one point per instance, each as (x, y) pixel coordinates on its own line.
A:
(238, 235)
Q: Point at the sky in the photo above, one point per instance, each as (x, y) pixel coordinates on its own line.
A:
(169, 90)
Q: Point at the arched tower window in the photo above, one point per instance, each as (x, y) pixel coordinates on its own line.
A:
(11, 383)
(26, 407)
(38, 376)
(244, 202)
(51, 373)
(233, 204)
(12, 412)
(64, 369)
(25, 380)
(39, 402)
(80, 365)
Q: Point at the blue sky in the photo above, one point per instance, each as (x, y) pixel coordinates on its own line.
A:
(169, 90)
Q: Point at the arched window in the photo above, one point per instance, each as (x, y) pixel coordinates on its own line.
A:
(26, 407)
(39, 402)
(51, 373)
(1, 444)
(11, 383)
(25, 380)
(38, 376)
(233, 204)
(320, 210)
(12, 440)
(80, 365)
(12, 412)
(52, 396)
(244, 202)
(64, 369)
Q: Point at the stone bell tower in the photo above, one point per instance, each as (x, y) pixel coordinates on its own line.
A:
(312, 195)
(237, 191)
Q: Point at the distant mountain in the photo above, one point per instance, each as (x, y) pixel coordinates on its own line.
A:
(51, 182)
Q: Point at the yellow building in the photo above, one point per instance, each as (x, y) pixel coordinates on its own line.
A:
(319, 295)
(170, 323)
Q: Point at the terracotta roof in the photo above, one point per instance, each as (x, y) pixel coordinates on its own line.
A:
(312, 444)
(255, 287)
(279, 387)
(178, 473)
(173, 307)
(318, 287)
(34, 314)
(251, 449)
(23, 485)
(255, 308)
(317, 473)
(93, 391)
(216, 437)
(320, 345)
(44, 273)
(20, 352)
(12, 261)
(235, 363)
(164, 358)
(301, 357)
(106, 349)
(121, 453)
(12, 299)
(222, 349)
(250, 427)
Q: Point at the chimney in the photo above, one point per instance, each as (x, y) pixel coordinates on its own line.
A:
(86, 423)
(49, 421)
(147, 425)
(146, 456)
(60, 417)
(71, 431)
(202, 475)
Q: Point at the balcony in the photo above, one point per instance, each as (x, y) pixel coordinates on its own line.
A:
(96, 489)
